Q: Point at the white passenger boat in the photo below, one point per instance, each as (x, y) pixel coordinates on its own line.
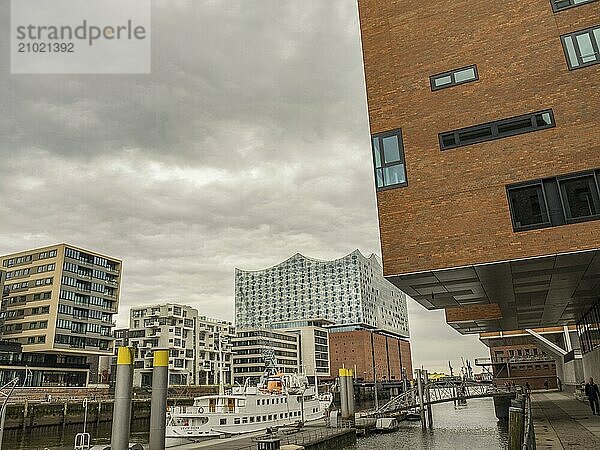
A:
(278, 400)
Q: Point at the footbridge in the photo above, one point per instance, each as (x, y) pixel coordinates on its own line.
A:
(433, 392)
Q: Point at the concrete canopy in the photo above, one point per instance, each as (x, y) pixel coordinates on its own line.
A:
(536, 292)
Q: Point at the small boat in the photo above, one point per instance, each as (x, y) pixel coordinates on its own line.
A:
(386, 424)
(413, 415)
(278, 400)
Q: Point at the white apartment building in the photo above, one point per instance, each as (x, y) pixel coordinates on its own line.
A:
(252, 348)
(194, 342)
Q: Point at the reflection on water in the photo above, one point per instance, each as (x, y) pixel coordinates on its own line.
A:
(63, 438)
(464, 428)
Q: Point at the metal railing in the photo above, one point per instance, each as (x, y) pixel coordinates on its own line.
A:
(528, 431)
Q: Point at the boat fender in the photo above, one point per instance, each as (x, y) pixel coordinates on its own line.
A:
(168, 408)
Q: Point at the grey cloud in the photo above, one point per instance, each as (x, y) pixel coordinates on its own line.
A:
(248, 142)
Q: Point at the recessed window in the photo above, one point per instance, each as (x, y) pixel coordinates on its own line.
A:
(580, 196)
(497, 130)
(555, 201)
(388, 159)
(558, 5)
(582, 48)
(453, 77)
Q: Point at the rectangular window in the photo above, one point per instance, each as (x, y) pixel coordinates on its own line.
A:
(558, 5)
(580, 196)
(497, 130)
(555, 201)
(582, 48)
(453, 77)
(388, 159)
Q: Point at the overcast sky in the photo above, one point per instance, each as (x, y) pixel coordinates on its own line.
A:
(249, 142)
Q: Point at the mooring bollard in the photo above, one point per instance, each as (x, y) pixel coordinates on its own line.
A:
(516, 423)
(122, 406)
(343, 392)
(158, 405)
(350, 392)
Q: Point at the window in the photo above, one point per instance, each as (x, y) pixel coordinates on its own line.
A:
(453, 77)
(555, 201)
(388, 158)
(582, 47)
(497, 130)
(558, 5)
(580, 196)
(528, 207)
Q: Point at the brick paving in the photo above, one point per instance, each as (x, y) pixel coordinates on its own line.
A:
(561, 422)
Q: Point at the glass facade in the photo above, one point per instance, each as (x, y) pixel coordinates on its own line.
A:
(588, 329)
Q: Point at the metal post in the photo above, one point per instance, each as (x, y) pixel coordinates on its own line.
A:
(343, 392)
(350, 392)
(158, 408)
(122, 406)
(428, 399)
(421, 405)
(85, 408)
(375, 388)
(516, 424)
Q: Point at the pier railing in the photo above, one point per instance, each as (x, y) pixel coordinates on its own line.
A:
(528, 431)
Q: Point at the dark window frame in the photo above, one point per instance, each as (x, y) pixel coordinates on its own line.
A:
(527, 184)
(380, 136)
(595, 46)
(551, 186)
(452, 74)
(569, 6)
(565, 202)
(493, 129)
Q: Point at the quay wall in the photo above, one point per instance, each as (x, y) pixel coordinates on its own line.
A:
(41, 414)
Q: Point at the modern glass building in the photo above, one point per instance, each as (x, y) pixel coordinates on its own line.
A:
(347, 291)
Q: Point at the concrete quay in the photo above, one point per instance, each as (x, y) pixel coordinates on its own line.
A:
(562, 422)
(311, 437)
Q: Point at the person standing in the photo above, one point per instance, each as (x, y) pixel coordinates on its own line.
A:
(546, 384)
(593, 395)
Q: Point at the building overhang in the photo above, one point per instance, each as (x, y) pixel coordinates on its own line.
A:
(517, 294)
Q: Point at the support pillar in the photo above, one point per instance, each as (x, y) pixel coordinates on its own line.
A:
(428, 400)
(421, 402)
(158, 406)
(122, 406)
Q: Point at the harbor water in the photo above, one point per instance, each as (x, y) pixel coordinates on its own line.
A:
(469, 427)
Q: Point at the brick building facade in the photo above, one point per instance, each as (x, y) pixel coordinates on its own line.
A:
(390, 356)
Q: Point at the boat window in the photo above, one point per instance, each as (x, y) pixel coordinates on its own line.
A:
(244, 420)
(258, 418)
(258, 402)
(252, 419)
(281, 416)
(270, 416)
(223, 422)
(264, 418)
(236, 420)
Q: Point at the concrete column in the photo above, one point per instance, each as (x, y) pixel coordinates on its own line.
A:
(343, 392)
(350, 392)
(158, 408)
(122, 406)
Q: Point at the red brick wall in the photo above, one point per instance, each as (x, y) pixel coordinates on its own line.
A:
(353, 348)
(454, 210)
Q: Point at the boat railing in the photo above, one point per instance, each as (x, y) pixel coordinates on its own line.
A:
(201, 409)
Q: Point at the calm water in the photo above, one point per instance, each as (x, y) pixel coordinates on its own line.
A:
(470, 427)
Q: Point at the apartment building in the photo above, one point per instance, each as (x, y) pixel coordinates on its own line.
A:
(58, 304)
(198, 346)
(345, 291)
(253, 349)
(313, 340)
(486, 159)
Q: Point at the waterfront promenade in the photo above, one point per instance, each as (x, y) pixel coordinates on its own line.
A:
(561, 422)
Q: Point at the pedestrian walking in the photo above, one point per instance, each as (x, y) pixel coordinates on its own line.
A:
(593, 395)
(527, 387)
(546, 384)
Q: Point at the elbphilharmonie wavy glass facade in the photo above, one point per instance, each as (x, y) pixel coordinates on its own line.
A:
(346, 291)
